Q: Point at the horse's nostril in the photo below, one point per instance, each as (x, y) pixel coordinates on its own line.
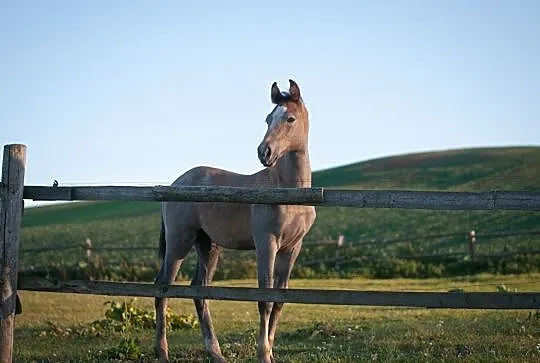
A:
(267, 153)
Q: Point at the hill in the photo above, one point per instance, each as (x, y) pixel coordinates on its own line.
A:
(479, 169)
(512, 168)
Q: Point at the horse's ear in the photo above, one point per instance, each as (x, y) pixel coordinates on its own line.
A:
(275, 93)
(294, 90)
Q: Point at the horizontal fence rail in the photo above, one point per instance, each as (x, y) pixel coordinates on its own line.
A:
(496, 200)
(179, 194)
(450, 300)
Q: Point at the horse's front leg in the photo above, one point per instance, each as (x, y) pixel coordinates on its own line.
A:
(266, 255)
(285, 260)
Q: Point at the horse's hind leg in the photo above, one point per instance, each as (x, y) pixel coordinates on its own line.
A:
(206, 267)
(177, 248)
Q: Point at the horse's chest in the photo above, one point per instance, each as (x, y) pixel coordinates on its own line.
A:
(293, 222)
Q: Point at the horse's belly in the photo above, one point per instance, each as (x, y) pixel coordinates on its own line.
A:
(228, 225)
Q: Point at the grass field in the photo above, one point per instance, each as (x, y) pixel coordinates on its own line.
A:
(307, 333)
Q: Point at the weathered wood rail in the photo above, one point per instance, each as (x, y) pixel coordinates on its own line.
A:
(12, 193)
(448, 300)
(495, 200)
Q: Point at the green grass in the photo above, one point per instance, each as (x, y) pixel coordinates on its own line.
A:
(80, 212)
(511, 168)
(307, 333)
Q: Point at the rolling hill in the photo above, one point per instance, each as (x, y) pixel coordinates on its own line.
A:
(510, 168)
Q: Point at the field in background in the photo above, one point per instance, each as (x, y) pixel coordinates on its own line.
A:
(136, 224)
(80, 212)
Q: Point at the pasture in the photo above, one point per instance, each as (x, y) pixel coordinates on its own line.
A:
(124, 230)
(124, 224)
(49, 329)
(58, 327)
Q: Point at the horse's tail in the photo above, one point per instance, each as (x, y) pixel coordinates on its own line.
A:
(162, 242)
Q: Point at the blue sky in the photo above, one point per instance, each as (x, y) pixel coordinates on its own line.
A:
(112, 92)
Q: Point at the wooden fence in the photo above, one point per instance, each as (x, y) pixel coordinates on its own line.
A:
(13, 190)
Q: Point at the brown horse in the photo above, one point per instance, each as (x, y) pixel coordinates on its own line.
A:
(274, 231)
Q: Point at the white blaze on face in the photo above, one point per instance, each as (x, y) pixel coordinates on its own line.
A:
(278, 115)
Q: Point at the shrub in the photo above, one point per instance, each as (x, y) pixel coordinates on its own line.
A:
(348, 266)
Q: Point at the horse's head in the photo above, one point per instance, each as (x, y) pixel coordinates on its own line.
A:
(288, 125)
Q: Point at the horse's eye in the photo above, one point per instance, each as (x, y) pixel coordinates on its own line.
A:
(291, 119)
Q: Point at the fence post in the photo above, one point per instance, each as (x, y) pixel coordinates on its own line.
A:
(339, 244)
(13, 165)
(88, 248)
(341, 240)
(472, 244)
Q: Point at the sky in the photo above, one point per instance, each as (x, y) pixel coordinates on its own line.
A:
(138, 92)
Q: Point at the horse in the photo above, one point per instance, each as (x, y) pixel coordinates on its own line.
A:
(274, 231)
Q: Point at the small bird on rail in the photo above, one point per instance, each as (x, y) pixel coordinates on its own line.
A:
(55, 183)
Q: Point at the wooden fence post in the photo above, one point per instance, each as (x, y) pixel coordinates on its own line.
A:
(339, 244)
(341, 240)
(88, 248)
(13, 165)
(472, 244)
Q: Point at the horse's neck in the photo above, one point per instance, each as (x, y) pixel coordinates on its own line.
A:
(293, 170)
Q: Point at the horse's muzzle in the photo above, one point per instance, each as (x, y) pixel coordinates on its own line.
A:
(265, 155)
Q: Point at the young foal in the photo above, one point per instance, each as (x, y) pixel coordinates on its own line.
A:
(274, 231)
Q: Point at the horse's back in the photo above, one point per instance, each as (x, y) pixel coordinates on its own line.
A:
(226, 224)
(209, 176)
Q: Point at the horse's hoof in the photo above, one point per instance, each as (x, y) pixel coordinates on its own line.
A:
(217, 358)
(162, 356)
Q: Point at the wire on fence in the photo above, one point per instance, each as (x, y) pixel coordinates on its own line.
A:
(338, 260)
